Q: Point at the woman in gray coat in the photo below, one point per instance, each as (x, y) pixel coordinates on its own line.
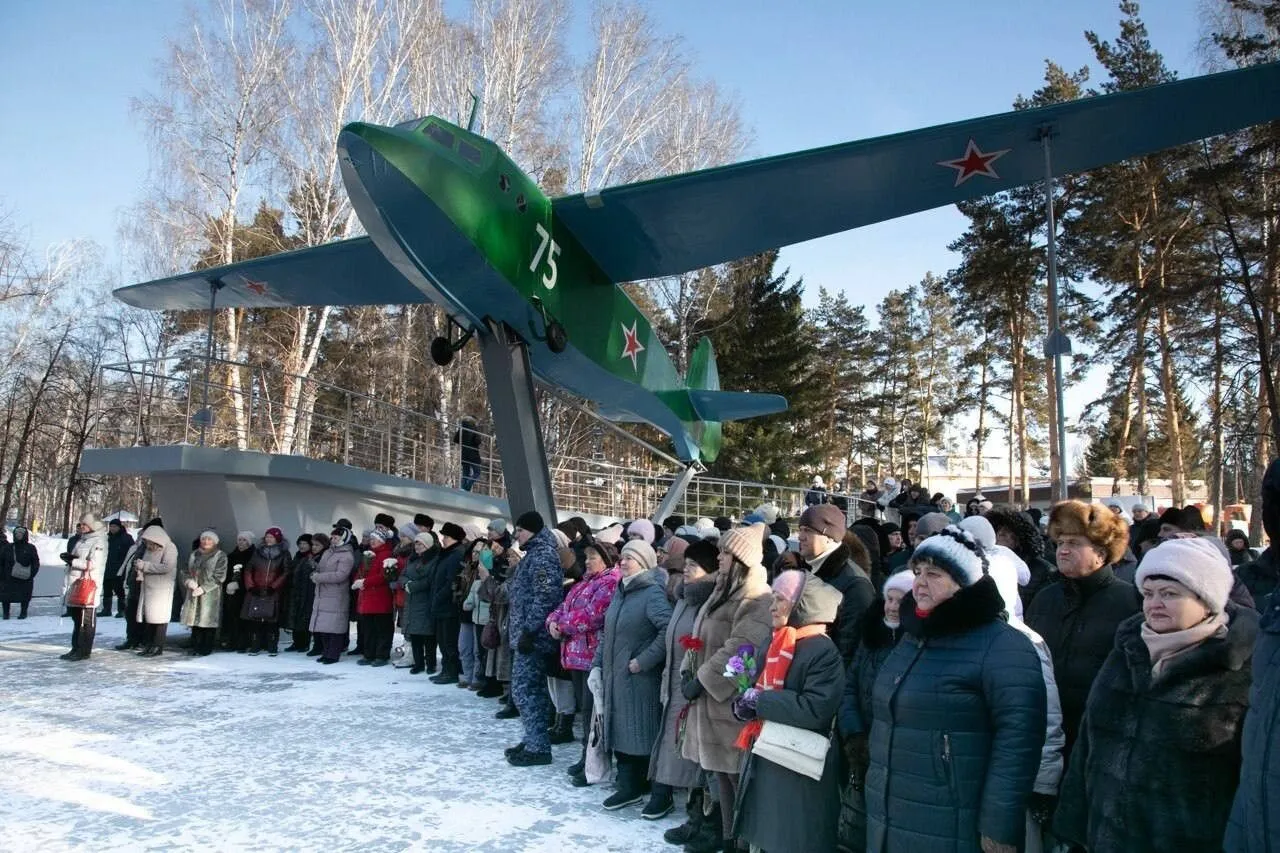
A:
(668, 769)
(627, 671)
(329, 611)
(206, 570)
(157, 572)
(418, 626)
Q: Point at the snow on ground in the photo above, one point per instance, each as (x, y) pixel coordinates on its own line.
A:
(232, 752)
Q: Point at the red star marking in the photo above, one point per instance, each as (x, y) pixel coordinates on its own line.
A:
(632, 347)
(974, 162)
(258, 287)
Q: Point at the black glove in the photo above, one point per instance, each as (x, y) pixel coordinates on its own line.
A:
(857, 755)
(1041, 807)
(65, 557)
(691, 688)
(525, 644)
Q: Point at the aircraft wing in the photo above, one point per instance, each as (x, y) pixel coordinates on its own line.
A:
(348, 272)
(671, 225)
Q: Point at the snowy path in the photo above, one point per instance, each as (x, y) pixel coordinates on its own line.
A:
(232, 752)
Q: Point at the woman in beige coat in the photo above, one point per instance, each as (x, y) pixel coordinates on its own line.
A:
(736, 614)
(156, 571)
(206, 570)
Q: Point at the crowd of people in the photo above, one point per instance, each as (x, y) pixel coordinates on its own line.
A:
(988, 680)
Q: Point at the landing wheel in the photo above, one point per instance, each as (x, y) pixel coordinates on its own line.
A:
(442, 351)
(557, 337)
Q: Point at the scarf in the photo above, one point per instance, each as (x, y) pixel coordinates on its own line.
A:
(1163, 648)
(781, 650)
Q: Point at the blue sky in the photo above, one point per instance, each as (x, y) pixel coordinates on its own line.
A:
(806, 73)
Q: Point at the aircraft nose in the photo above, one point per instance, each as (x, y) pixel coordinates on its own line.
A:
(360, 146)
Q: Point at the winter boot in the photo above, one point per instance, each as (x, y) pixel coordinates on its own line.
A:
(629, 791)
(508, 712)
(687, 831)
(491, 690)
(661, 803)
(525, 758)
(709, 838)
(563, 731)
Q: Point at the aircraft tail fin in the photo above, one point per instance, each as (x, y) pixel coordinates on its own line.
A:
(703, 374)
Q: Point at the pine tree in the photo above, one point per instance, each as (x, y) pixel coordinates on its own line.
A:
(846, 366)
(765, 345)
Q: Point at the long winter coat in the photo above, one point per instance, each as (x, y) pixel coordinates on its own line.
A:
(1254, 826)
(375, 597)
(634, 627)
(208, 569)
(444, 578)
(118, 547)
(958, 722)
(416, 582)
(535, 589)
(302, 592)
(20, 553)
(779, 810)
(265, 576)
(839, 570)
(736, 614)
(1077, 618)
(854, 720)
(89, 560)
(1157, 761)
(159, 574)
(580, 618)
(332, 578)
(1261, 576)
(666, 764)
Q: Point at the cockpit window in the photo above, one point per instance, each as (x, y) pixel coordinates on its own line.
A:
(439, 134)
(469, 152)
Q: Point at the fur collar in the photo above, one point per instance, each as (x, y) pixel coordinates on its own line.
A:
(876, 634)
(696, 594)
(971, 607)
(1229, 653)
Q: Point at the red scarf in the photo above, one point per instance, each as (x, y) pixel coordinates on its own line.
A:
(781, 650)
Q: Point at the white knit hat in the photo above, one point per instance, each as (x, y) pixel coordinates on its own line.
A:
(981, 530)
(643, 527)
(956, 551)
(642, 552)
(1194, 563)
(768, 511)
(900, 581)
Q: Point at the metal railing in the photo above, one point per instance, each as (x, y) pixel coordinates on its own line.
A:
(272, 411)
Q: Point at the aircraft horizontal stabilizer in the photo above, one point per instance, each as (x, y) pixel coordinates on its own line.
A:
(720, 406)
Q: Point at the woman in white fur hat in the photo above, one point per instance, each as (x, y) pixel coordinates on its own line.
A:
(1157, 760)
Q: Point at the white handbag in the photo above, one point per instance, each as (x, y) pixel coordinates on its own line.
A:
(799, 750)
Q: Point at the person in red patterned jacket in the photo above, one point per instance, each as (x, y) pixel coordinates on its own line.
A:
(375, 603)
(578, 621)
(266, 574)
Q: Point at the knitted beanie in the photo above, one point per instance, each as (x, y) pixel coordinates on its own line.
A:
(703, 553)
(641, 552)
(531, 521)
(643, 527)
(901, 581)
(1195, 563)
(931, 523)
(746, 544)
(955, 551)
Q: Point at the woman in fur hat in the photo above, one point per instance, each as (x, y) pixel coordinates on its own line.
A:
(958, 713)
(206, 570)
(1157, 760)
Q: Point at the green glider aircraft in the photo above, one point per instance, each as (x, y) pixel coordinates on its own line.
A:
(452, 220)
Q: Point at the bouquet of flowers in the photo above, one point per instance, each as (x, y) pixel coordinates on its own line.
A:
(390, 569)
(743, 667)
(691, 645)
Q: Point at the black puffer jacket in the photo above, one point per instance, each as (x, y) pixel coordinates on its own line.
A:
(1157, 761)
(839, 570)
(444, 575)
(878, 640)
(958, 723)
(1078, 619)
